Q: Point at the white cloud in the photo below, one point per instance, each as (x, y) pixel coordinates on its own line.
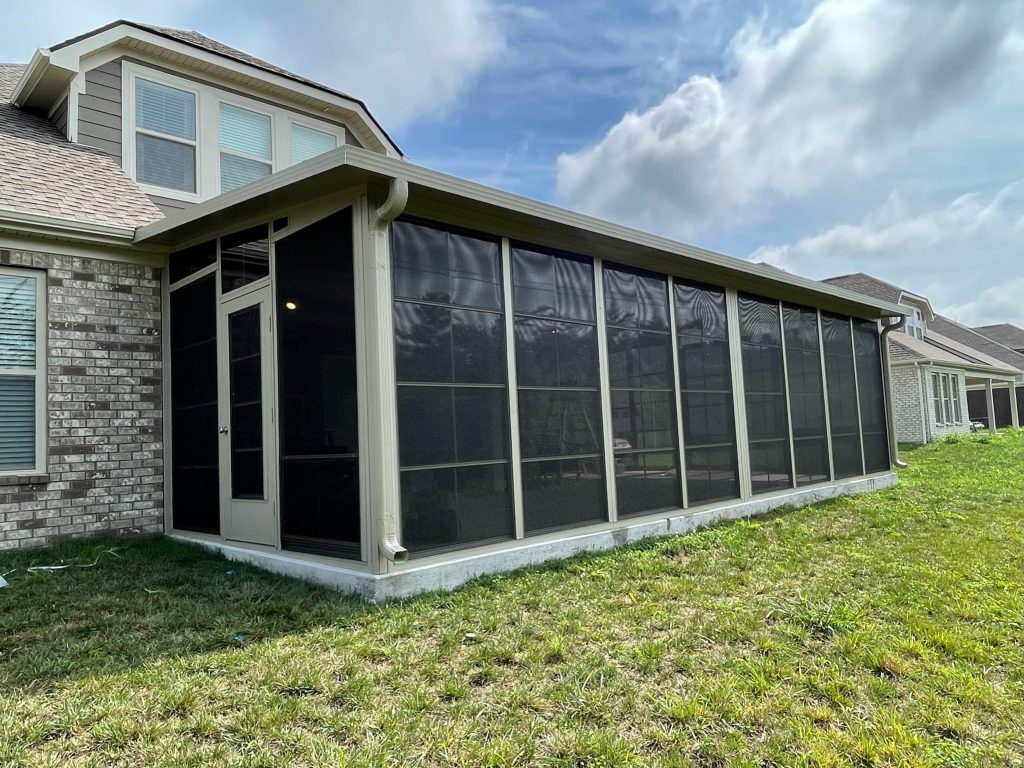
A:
(406, 58)
(1003, 303)
(969, 247)
(834, 94)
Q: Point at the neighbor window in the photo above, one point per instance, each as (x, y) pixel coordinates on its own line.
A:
(246, 146)
(954, 389)
(165, 136)
(946, 397)
(22, 369)
(937, 397)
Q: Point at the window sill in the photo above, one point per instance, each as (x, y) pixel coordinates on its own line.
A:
(24, 479)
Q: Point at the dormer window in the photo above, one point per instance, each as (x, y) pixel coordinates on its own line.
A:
(246, 146)
(915, 325)
(193, 140)
(165, 136)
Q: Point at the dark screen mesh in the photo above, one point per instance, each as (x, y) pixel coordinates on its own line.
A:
(806, 394)
(644, 429)
(560, 427)
(705, 392)
(194, 438)
(872, 395)
(763, 380)
(317, 381)
(842, 395)
(452, 387)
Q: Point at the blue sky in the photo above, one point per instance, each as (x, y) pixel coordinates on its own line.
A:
(826, 137)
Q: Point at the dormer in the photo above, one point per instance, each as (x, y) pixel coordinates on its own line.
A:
(188, 117)
(919, 313)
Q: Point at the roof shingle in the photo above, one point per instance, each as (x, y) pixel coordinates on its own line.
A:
(1007, 334)
(43, 173)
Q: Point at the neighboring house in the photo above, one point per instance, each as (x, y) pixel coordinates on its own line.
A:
(231, 311)
(944, 375)
(1008, 335)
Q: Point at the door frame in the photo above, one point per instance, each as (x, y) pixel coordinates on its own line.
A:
(266, 530)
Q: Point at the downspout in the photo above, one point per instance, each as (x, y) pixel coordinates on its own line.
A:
(890, 418)
(386, 510)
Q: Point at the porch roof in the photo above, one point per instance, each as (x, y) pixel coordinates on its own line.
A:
(457, 201)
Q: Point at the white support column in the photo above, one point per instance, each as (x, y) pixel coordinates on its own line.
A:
(732, 310)
(606, 393)
(990, 404)
(677, 391)
(513, 389)
(1014, 416)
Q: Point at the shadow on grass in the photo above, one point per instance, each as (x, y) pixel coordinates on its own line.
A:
(145, 599)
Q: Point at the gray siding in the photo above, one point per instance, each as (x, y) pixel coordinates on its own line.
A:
(169, 206)
(99, 109)
(60, 116)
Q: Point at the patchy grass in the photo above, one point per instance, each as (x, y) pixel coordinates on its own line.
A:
(886, 629)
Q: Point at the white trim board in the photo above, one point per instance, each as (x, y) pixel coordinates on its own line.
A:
(416, 578)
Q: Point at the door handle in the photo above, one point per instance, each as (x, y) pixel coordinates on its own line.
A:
(223, 430)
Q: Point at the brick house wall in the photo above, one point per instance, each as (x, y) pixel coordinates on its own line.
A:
(104, 472)
(906, 404)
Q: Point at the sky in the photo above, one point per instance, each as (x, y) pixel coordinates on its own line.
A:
(882, 136)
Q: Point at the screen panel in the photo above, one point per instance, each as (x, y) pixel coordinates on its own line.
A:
(765, 394)
(645, 437)
(195, 463)
(867, 348)
(560, 422)
(706, 392)
(319, 413)
(806, 394)
(843, 411)
(451, 366)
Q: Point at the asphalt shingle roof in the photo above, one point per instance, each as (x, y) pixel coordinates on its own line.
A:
(43, 173)
(971, 338)
(1007, 334)
(867, 285)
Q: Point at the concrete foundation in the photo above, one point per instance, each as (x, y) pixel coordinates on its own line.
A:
(415, 577)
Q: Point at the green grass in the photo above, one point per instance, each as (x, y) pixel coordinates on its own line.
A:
(886, 629)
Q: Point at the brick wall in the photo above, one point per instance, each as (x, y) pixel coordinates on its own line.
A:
(906, 404)
(104, 472)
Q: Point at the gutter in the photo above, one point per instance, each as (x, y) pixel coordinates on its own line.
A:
(386, 510)
(66, 229)
(890, 417)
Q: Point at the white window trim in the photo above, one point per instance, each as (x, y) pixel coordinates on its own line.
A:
(39, 372)
(946, 391)
(208, 98)
(131, 73)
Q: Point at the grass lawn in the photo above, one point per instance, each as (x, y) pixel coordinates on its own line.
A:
(886, 629)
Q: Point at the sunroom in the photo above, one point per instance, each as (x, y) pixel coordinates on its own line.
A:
(390, 380)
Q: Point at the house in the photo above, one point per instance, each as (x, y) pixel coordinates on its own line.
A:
(232, 311)
(945, 376)
(1008, 335)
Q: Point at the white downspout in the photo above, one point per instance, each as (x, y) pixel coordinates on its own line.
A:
(386, 508)
(890, 418)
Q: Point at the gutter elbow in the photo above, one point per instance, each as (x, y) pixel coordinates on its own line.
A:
(391, 550)
(392, 207)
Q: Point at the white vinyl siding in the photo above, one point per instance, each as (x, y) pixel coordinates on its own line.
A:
(165, 136)
(246, 146)
(309, 142)
(22, 375)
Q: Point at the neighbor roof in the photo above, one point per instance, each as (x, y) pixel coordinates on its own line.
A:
(1003, 333)
(978, 341)
(197, 40)
(44, 174)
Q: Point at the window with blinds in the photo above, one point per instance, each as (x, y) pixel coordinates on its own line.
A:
(309, 142)
(246, 146)
(165, 136)
(21, 364)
